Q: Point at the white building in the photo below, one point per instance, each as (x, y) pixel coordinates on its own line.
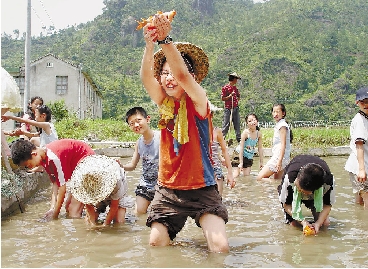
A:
(55, 79)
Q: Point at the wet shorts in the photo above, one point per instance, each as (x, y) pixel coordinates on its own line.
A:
(247, 162)
(357, 185)
(173, 207)
(144, 192)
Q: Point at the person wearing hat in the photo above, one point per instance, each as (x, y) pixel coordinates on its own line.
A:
(307, 180)
(186, 185)
(357, 163)
(99, 182)
(59, 159)
(230, 95)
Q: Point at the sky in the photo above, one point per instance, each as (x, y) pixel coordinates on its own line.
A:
(60, 13)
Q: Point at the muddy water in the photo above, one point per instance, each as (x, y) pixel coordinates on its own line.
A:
(257, 235)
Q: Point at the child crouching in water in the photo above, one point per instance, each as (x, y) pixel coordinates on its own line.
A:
(250, 137)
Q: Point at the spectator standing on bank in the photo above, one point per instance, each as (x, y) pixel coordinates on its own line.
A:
(230, 95)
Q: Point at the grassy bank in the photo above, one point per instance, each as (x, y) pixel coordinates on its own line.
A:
(114, 130)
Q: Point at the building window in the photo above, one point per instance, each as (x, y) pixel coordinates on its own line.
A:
(49, 65)
(61, 85)
(20, 82)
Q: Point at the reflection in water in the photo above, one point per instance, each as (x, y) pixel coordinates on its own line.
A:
(257, 235)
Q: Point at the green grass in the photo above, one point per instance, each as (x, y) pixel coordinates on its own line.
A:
(310, 137)
(117, 130)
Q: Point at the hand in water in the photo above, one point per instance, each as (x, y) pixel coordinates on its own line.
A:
(48, 216)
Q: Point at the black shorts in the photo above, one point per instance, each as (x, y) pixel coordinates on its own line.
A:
(173, 207)
(144, 192)
(247, 162)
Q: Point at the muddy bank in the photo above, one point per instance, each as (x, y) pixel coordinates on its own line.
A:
(32, 182)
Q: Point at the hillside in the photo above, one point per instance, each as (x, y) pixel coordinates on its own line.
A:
(310, 55)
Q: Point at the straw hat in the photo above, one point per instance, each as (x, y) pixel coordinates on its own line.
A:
(196, 54)
(235, 75)
(94, 179)
(10, 96)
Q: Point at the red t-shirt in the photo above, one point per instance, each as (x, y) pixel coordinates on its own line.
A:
(62, 156)
(192, 167)
(226, 91)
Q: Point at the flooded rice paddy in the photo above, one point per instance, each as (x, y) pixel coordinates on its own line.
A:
(257, 235)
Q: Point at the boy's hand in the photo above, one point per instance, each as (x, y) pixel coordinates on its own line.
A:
(48, 216)
(162, 25)
(150, 33)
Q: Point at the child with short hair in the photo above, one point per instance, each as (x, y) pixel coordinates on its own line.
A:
(357, 163)
(281, 145)
(186, 185)
(250, 137)
(59, 159)
(307, 180)
(147, 149)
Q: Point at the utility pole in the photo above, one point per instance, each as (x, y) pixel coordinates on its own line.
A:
(27, 59)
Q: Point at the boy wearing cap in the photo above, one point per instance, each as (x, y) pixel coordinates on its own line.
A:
(357, 163)
(230, 95)
(186, 182)
(59, 158)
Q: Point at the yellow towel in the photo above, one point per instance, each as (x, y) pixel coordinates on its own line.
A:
(166, 111)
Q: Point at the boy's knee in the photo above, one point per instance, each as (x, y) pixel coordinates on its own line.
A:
(159, 236)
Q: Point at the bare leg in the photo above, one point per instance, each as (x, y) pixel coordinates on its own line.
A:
(264, 173)
(120, 215)
(278, 175)
(91, 216)
(364, 196)
(159, 236)
(214, 231)
(73, 207)
(236, 172)
(220, 185)
(141, 205)
(358, 199)
(246, 171)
